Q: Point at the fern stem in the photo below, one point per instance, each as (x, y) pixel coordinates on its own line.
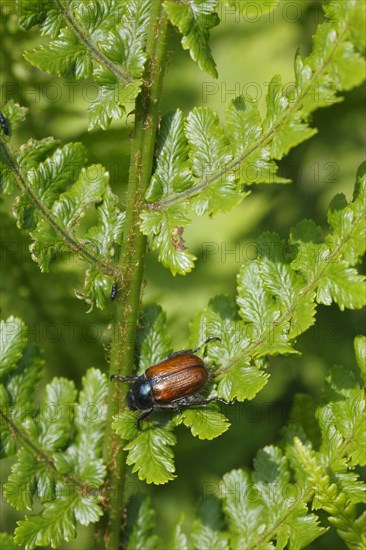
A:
(132, 262)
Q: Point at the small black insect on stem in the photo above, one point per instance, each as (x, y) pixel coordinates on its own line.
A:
(114, 291)
(4, 124)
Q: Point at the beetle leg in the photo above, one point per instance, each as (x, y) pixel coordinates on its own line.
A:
(192, 351)
(220, 400)
(206, 342)
(124, 378)
(207, 401)
(143, 415)
(179, 353)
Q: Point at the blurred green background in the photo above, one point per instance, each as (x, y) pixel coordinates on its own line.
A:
(248, 50)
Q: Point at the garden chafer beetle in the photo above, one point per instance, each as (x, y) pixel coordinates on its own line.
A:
(171, 384)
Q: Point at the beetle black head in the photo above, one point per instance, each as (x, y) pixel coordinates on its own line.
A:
(131, 401)
(140, 396)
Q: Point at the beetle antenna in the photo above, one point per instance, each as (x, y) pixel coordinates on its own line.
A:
(124, 378)
(206, 342)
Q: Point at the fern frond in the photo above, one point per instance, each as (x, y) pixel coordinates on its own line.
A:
(195, 19)
(103, 39)
(55, 190)
(223, 160)
(59, 464)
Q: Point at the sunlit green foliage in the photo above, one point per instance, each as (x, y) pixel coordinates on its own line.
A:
(202, 166)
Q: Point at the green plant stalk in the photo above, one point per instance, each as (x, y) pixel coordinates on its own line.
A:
(131, 265)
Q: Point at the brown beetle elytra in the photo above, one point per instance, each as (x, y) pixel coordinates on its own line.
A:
(177, 377)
